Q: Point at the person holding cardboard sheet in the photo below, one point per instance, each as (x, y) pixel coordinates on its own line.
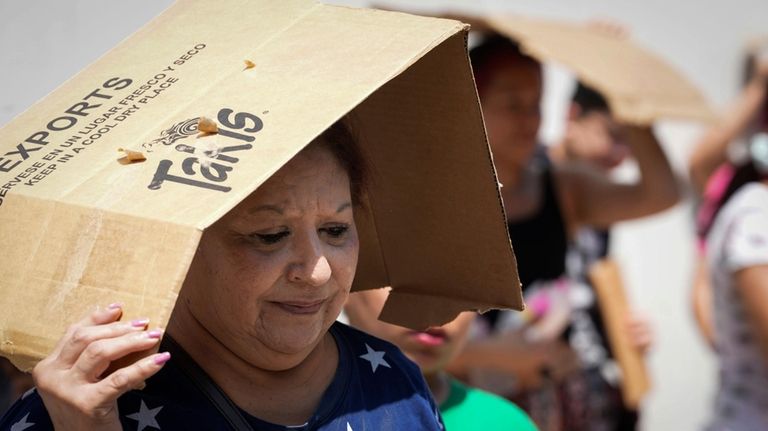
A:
(592, 137)
(546, 202)
(711, 171)
(252, 342)
(737, 258)
(462, 407)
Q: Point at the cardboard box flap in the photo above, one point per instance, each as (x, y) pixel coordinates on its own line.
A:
(434, 201)
(640, 87)
(60, 260)
(415, 126)
(411, 309)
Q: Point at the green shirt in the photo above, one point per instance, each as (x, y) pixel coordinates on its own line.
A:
(468, 409)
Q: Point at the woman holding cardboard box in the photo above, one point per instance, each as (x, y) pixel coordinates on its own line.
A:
(252, 231)
(256, 316)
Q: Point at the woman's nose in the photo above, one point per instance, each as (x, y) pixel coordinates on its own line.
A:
(311, 265)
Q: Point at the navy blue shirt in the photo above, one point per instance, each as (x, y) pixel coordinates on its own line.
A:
(375, 388)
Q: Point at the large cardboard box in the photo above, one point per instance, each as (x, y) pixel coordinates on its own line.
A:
(79, 229)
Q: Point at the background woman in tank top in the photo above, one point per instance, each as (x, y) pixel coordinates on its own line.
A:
(546, 202)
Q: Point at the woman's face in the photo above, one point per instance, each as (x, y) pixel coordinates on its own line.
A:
(271, 276)
(510, 101)
(596, 138)
(431, 349)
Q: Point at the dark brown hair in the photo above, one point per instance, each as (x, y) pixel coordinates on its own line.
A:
(746, 173)
(341, 142)
(491, 52)
(748, 73)
(589, 99)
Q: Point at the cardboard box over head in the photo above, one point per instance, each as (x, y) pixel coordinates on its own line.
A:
(80, 229)
(640, 86)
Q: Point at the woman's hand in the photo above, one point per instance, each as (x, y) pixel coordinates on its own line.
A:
(544, 362)
(73, 381)
(640, 332)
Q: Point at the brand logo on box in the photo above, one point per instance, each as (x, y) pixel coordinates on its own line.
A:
(172, 134)
(207, 168)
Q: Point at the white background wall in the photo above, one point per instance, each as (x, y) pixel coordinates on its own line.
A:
(42, 43)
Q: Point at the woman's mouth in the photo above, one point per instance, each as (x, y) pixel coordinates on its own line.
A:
(299, 307)
(432, 337)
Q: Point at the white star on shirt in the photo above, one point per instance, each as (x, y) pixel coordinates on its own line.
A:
(437, 418)
(375, 358)
(22, 424)
(349, 427)
(145, 416)
(28, 393)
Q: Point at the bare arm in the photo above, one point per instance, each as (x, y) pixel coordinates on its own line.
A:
(710, 152)
(595, 200)
(701, 298)
(752, 284)
(510, 354)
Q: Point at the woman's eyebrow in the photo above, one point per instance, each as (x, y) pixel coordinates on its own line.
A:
(278, 210)
(271, 208)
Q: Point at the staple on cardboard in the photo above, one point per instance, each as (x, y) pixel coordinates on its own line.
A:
(131, 156)
(206, 125)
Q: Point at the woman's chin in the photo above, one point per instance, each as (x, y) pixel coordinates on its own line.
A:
(294, 340)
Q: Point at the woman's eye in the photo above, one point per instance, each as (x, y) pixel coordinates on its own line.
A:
(335, 231)
(270, 238)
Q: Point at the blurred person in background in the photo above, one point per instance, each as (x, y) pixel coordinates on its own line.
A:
(462, 407)
(737, 259)
(593, 137)
(711, 171)
(546, 202)
(730, 292)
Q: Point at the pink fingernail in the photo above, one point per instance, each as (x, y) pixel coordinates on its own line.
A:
(140, 323)
(162, 358)
(115, 306)
(155, 333)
